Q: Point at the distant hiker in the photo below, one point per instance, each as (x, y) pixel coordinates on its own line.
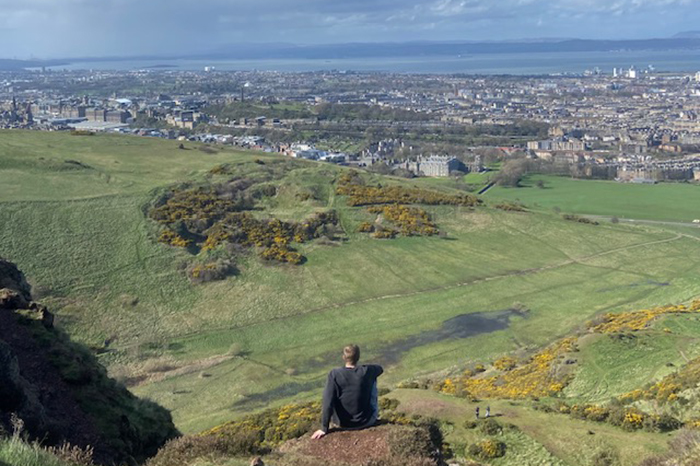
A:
(477, 412)
(488, 411)
(350, 397)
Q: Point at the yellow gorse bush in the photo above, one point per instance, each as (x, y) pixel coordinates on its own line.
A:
(634, 420)
(638, 320)
(272, 426)
(668, 388)
(204, 213)
(538, 376)
(351, 185)
(411, 221)
(173, 239)
(535, 378)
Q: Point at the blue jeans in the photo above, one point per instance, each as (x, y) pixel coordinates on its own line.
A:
(374, 404)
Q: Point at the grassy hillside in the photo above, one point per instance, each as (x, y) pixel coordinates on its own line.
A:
(73, 216)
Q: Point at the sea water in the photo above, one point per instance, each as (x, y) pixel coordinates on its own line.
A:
(501, 63)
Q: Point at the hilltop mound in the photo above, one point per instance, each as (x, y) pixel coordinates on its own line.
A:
(385, 445)
(55, 391)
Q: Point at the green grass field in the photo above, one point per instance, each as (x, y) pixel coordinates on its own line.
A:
(677, 202)
(72, 217)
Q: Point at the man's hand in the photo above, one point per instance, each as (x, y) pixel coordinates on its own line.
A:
(318, 434)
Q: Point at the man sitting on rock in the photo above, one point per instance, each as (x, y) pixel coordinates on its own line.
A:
(350, 397)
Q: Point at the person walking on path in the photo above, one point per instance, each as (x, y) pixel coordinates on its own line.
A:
(477, 412)
(350, 398)
(488, 411)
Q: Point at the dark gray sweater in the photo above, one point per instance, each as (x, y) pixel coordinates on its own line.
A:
(348, 394)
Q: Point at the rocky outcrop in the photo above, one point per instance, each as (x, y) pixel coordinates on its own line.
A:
(59, 390)
(12, 279)
(384, 445)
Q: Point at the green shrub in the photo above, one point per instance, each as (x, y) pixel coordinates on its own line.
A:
(490, 427)
(407, 442)
(388, 404)
(469, 424)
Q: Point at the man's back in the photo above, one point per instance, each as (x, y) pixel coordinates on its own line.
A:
(349, 394)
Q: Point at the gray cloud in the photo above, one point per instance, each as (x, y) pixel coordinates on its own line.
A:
(132, 27)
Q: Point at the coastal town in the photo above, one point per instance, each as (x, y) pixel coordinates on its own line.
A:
(628, 124)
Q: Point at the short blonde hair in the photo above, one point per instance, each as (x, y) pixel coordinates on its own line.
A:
(351, 354)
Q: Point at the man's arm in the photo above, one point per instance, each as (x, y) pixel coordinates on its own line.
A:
(376, 369)
(326, 407)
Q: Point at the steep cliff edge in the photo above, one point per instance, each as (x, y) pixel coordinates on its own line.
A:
(60, 391)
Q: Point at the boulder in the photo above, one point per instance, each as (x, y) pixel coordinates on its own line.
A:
(11, 278)
(11, 300)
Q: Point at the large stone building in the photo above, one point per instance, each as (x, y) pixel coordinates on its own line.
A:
(570, 144)
(437, 165)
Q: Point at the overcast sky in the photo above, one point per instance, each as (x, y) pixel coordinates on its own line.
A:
(62, 28)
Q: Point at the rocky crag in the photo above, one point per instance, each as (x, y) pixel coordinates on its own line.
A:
(56, 391)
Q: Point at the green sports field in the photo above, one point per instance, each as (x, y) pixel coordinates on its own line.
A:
(673, 202)
(72, 216)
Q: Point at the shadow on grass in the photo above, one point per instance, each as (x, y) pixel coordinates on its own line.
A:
(459, 327)
(263, 399)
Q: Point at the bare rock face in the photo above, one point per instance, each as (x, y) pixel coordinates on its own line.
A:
(12, 279)
(11, 300)
(15, 293)
(17, 395)
(60, 392)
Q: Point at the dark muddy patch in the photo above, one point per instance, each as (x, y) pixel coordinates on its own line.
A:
(459, 327)
(634, 285)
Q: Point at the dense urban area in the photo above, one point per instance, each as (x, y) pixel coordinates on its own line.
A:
(628, 124)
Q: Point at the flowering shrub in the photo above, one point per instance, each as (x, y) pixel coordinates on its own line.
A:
(633, 420)
(638, 320)
(365, 227)
(537, 377)
(505, 363)
(198, 204)
(352, 185)
(627, 418)
(668, 388)
(173, 239)
(218, 214)
(200, 273)
(693, 424)
(390, 202)
(384, 233)
(411, 221)
(272, 426)
(487, 449)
